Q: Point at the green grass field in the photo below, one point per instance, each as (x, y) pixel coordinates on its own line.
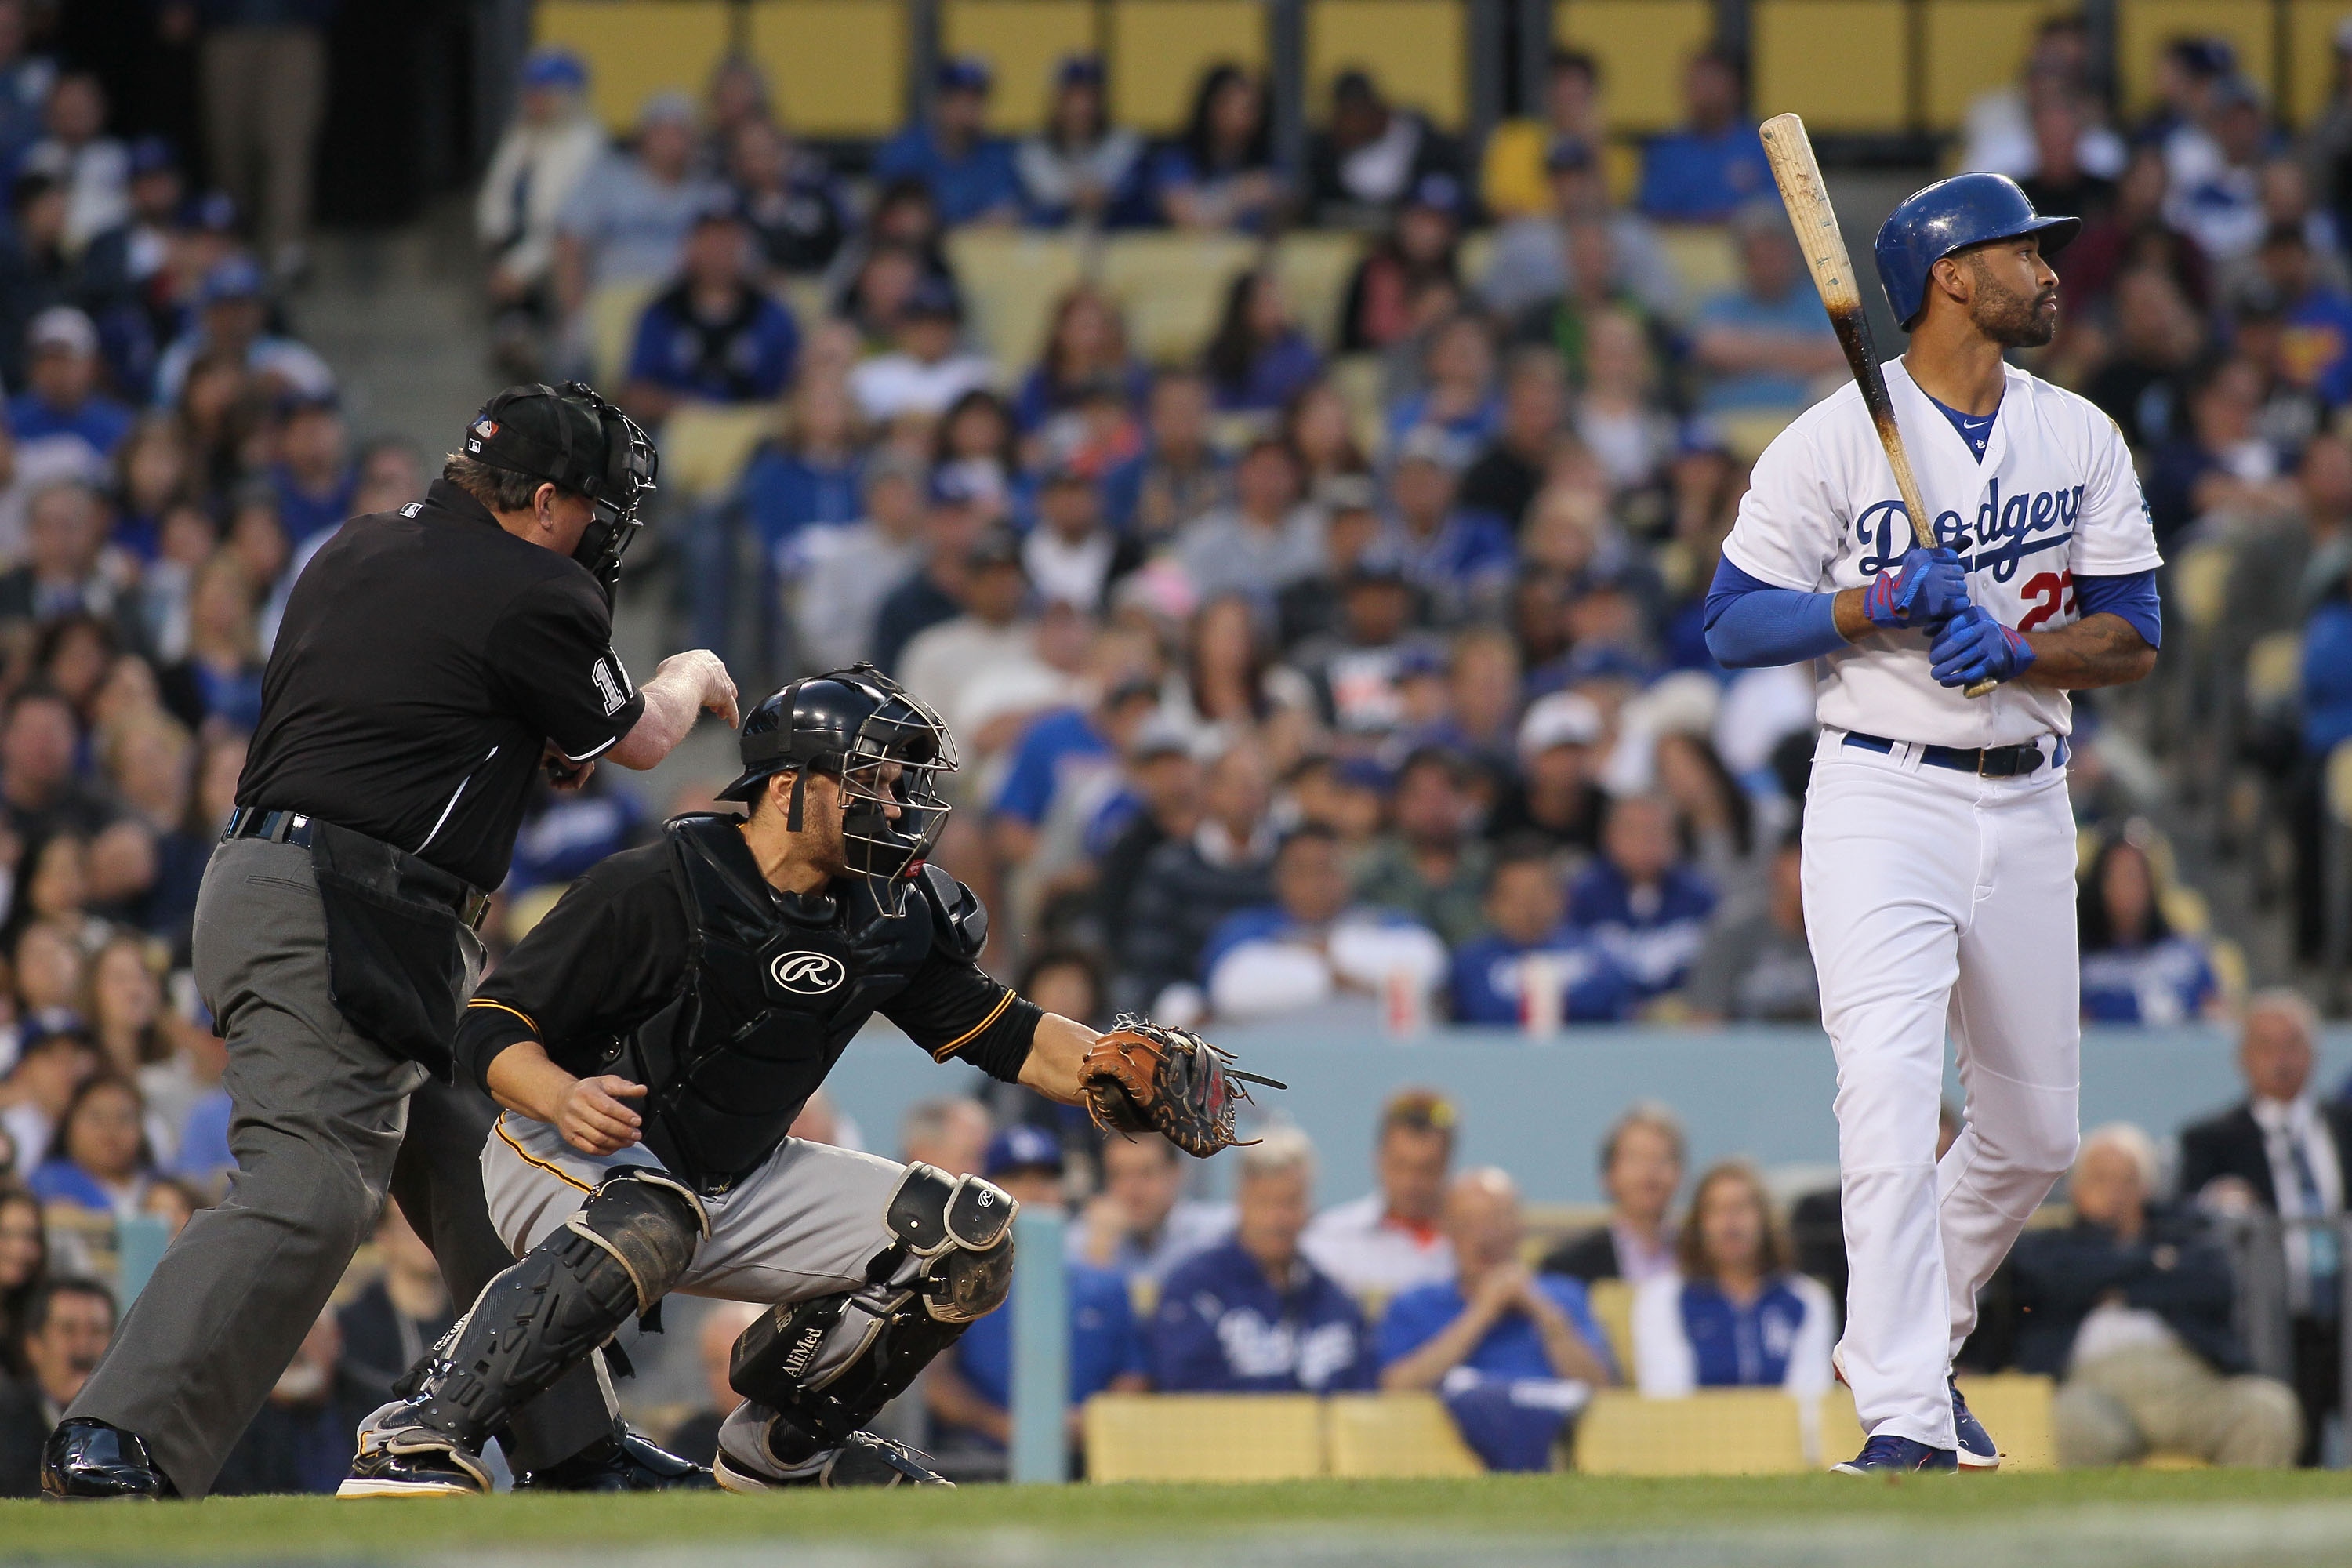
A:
(2042, 1522)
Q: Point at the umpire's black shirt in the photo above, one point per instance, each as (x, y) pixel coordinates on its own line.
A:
(425, 658)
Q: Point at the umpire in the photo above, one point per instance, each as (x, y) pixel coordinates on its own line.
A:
(430, 660)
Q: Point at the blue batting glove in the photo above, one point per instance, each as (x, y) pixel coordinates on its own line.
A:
(1974, 647)
(1923, 588)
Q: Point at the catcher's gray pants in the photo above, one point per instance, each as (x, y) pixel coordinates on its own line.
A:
(808, 1223)
(326, 1121)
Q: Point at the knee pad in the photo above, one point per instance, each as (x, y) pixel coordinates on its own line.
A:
(649, 1224)
(827, 1366)
(961, 1230)
(568, 1296)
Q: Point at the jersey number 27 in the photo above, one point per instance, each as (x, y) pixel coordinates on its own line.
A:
(2049, 593)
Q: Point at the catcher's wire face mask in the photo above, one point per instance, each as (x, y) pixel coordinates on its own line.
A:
(886, 750)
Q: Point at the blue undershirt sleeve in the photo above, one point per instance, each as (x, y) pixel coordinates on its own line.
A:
(2131, 596)
(1751, 623)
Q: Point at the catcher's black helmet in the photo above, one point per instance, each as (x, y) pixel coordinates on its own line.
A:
(885, 749)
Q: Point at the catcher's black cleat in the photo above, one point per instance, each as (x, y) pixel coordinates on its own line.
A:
(400, 1456)
(862, 1460)
(87, 1460)
(624, 1462)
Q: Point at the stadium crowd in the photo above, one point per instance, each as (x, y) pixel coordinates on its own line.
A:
(1350, 668)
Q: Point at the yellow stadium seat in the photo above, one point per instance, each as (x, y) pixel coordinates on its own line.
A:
(1612, 1307)
(613, 312)
(1023, 41)
(1641, 46)
(1356, 379)
(1975, 46)
(2144, 26)
(1392, 1436)
(1417, 50)
(2274, 670)
(704, 445)
(1171, 287)
(1159, 50)
(1204, 1438)
(839, 67)
(1705, 259)
(2200, 583)
(1837, 1432)
(2015, 1408)
(1718, 1432)
(1315, 269)
(1011, 278)
(1750, 430)
(635, 49)
(1476, 250)
(1836, 62)
(2339, 782)
(2311, 55)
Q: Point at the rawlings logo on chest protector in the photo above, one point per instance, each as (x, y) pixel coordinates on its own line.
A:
(807, 973)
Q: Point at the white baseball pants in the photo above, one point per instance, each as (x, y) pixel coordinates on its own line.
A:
(1936, 901)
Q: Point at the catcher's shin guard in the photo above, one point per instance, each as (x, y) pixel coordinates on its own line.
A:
(613, 1261)
(827, 1366)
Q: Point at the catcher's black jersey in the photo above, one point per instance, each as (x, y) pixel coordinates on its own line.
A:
(679, 966)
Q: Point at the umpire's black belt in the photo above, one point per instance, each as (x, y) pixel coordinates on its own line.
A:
(1985, 762)
(466, 901)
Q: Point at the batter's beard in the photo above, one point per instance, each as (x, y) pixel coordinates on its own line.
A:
(2010, 318)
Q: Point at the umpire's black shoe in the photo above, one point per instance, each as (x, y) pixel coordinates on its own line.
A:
(626, 1462)
(401, 1457)
(89, 1459)
(862, 1460)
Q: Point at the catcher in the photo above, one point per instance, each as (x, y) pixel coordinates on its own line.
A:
(652, 1040)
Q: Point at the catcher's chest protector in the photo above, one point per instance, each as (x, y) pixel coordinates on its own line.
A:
(775, 988)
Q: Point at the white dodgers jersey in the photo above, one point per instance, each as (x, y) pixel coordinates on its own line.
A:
(2056, 497)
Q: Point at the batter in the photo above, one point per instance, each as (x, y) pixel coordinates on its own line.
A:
(1938, 839)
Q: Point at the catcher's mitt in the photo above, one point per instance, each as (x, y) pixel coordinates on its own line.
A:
(1144, 1077)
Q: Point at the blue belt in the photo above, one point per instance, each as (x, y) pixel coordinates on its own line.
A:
(1985, 762)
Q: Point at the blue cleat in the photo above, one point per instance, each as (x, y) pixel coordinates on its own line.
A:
(1894, 1456)
(1977, 1450)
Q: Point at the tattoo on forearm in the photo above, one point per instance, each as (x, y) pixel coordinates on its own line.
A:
(2103, 650)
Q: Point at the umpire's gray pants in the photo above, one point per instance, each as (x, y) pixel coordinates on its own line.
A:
(321, 1116)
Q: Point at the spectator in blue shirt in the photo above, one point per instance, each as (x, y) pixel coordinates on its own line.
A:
(313, 479)
(969, 1390)
(1221, 174)
(1253, 1315)
(1461, 561)
(970, 172)
(1527, 938)
(2136, 968)
(811, 479)
(61, 399)
(1080, 167)
(1645, 905)
(1735, 1313)
(1457, 394)
(1496, 1340)
(1259, 360)
(711, 337)
(1705, 170)
(1058, 744)
(2317, 351)
(1763, 345)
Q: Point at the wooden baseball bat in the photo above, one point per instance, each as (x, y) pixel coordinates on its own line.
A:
(1799, 175)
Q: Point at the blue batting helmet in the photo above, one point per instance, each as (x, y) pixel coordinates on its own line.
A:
(1952, 214)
